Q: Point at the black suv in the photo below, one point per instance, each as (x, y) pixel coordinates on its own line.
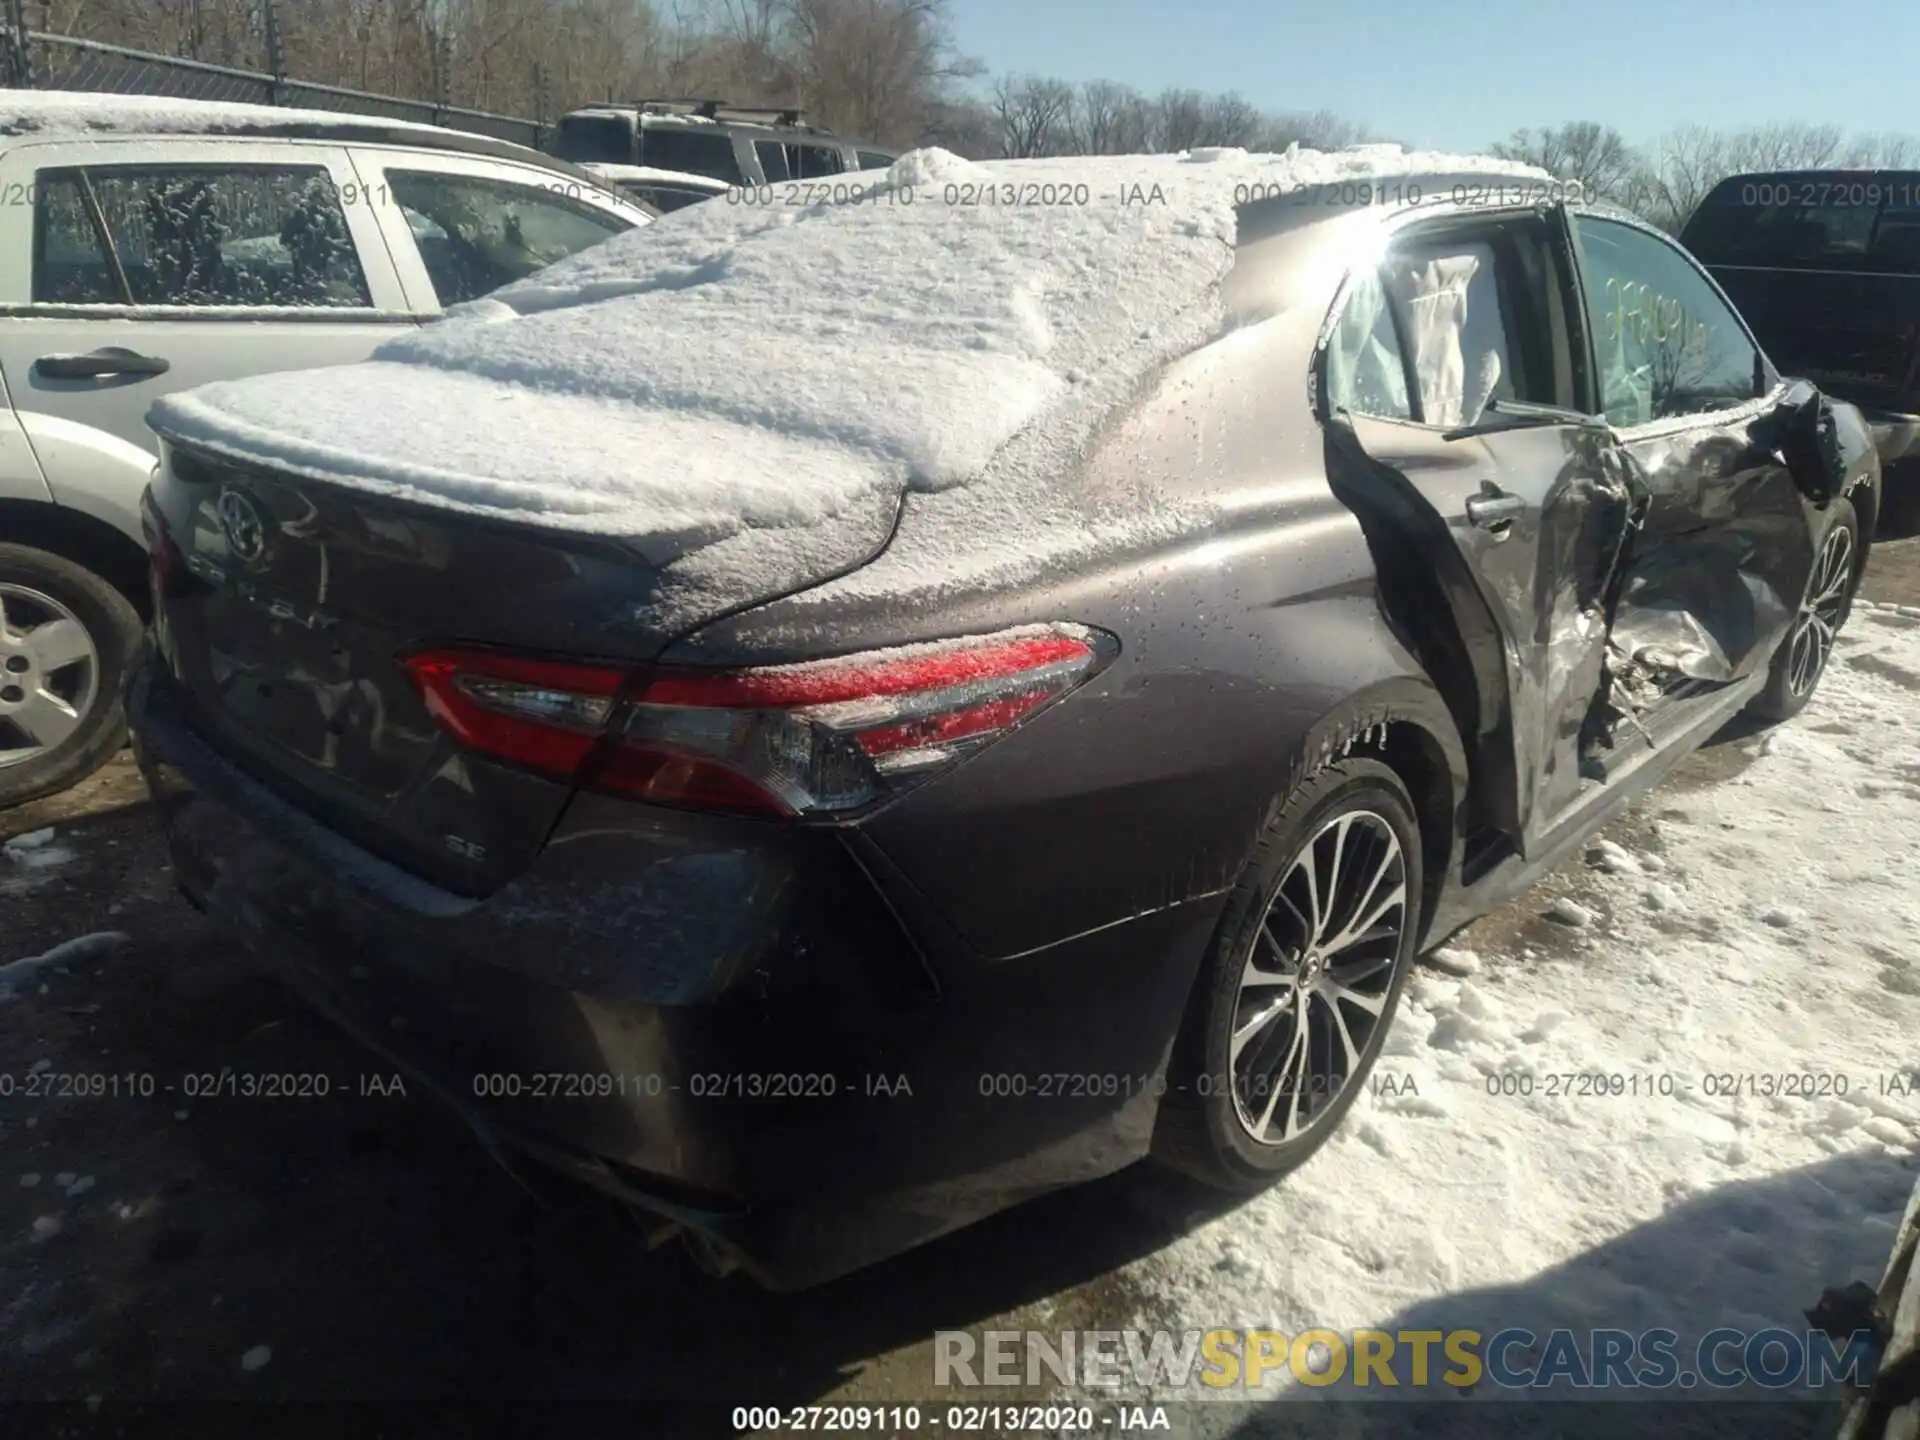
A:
(1825, 265)
(710, 137)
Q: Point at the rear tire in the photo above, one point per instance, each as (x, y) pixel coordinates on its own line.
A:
(66, 638)
(1317, 941)
(1807, 648)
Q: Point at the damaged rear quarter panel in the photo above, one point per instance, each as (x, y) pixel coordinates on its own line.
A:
(1240, 636)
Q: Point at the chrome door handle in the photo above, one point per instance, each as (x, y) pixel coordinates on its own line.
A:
(108, 360)
(1491, 511)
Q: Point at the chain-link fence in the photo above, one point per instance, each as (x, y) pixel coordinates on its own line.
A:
(36, 60)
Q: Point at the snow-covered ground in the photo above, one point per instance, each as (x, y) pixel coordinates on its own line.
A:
(1764, 926)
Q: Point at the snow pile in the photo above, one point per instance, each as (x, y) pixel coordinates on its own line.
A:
(745, 366)
(1752, 939)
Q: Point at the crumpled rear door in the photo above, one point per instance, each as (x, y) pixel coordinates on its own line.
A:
(1507, 542)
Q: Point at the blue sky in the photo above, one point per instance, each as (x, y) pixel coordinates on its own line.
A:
(1460, 74)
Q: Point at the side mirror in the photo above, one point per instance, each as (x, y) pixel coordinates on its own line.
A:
(1802, 429)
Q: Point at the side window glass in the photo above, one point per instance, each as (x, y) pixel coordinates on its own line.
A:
(666, 198)
(1896, 240)
(477, 234)
(70, 266)
(1365, 374)
(1666, 344)
(201, 235)
(1448, 297)
(773, 160)
(817, 160)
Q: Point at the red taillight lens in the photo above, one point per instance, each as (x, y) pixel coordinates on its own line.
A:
(538, 713)
(821, 737)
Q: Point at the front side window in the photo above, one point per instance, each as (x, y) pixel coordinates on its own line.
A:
(477, 234)
(1665, 343)
(195, 235)
(1365, 374)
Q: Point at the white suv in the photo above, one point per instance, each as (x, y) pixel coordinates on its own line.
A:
(151, 245)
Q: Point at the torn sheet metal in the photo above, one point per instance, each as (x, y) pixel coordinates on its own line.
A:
(1700, 610)
(1719, 558)
(1584, 522)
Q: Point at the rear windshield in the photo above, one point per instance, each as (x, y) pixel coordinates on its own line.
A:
(704, 151)
(1813, 220)
(602, 139)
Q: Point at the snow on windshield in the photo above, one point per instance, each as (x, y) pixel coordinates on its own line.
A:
(745, 365)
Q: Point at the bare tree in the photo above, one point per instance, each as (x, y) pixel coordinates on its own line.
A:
(873, 67)
(1180, 120)
(1595, 155)
(1098, 120)
(1228, 119)
(1034, 114)
(1319, 130)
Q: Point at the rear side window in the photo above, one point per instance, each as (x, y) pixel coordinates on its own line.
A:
(195, 235)
(707, 150)
(1451, 310)
(1366, 373)
(476, 234)
(875, 160)
(1811, 220)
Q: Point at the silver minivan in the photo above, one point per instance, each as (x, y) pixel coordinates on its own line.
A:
(150, 245)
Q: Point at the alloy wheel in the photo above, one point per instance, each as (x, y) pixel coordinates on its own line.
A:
(1316, 976)
(49, 673)
(1819, 617)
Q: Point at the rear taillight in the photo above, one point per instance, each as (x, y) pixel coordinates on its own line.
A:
(163, 556)
(823, 737)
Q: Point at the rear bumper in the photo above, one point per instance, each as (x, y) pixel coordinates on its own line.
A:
(731, 1026)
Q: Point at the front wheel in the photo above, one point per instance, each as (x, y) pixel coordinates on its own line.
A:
(1803, 655)
(66, 637)
(1295, 999)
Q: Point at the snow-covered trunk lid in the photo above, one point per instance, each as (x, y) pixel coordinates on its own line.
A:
(290, 606)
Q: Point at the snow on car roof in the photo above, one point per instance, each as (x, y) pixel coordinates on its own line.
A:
(650, 175)
(748, 366)
(74, 112)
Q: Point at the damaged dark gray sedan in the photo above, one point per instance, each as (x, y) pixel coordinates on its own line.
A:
(823, 764)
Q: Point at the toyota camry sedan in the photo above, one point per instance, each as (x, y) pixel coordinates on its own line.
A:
(823, 764)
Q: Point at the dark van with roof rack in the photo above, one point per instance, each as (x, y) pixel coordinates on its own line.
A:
(736, 145)
(1825, 266)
